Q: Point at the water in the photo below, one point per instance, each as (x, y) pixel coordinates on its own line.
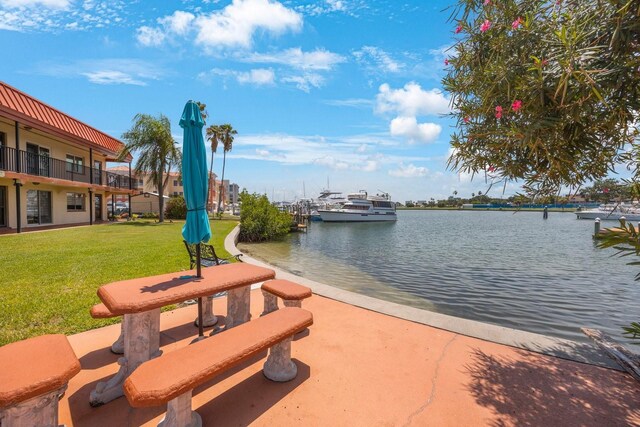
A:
(514, 270)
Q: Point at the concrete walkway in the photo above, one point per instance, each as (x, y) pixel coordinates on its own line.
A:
(357, 367)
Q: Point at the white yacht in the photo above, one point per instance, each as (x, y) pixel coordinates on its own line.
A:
(361, 207)
(611, 212)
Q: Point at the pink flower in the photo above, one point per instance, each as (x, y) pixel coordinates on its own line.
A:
(458, 28)
(516, 24)
(498, 112)
(485, 26)
(446, 61)
(492, 169)
(486, 2)
(517, 104)
(466, 119)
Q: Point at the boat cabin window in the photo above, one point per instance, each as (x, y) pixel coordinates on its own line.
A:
(382, 204)
(357, 207)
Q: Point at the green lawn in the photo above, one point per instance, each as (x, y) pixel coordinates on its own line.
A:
(49, 279)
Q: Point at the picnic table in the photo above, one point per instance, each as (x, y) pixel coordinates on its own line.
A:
(139, 301)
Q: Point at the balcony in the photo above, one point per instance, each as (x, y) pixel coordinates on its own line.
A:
(49, 167)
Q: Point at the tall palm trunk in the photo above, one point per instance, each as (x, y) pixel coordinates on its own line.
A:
(161, 196)
(212, 182)
(224, 162)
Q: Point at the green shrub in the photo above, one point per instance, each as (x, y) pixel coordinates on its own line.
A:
(260, 220)
(176, 208)
(149, 215)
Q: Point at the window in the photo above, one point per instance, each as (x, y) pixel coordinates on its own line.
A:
(181, 193)
(177, 183)
(74, 164)
(75, 202)
(38, 207)
(175, 193)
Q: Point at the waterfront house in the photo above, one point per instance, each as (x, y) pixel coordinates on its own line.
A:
(53, 166)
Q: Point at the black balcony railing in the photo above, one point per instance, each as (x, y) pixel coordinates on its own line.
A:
(39, 165)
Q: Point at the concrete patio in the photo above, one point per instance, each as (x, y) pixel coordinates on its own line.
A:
(359, 367)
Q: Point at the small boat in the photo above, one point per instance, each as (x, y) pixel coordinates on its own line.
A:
(361, 207)
(611, 212)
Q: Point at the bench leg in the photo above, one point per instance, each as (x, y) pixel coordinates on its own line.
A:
(238, 306)
(279, 366)
(38, 411)
(118, 346)
(208, 318)
(141, 343)
(270, 303)
(179, 413)
(292, 303)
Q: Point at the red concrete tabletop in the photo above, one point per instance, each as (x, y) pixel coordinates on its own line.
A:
(35, 366)
(147, 293)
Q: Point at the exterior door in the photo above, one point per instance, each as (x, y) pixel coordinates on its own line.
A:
(37, 160)
(97, 172)
(97, 203)
(3, 206)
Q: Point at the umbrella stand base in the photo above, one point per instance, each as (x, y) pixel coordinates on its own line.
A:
(208, 318)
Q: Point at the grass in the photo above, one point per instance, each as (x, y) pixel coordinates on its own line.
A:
(49, 279)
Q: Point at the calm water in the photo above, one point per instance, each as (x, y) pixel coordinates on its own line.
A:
(514, 270)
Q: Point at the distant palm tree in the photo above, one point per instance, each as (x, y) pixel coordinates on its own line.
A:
(227, 135)
(214, 135)
(151, 139)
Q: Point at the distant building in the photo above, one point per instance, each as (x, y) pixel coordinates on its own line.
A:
(173, 188)
(233, 193)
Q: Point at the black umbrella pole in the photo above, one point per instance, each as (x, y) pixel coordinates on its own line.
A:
(199, 273)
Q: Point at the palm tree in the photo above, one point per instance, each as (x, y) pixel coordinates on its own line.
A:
(151, 139)
(227, 133)
(214, 135)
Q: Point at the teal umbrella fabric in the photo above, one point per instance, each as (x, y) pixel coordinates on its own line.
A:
(194, 176)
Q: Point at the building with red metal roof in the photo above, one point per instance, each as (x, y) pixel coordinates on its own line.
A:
(53, 167)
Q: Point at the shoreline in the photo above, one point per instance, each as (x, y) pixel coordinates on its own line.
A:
(557, 347)
(560, 210)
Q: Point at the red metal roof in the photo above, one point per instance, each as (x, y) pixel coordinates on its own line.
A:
(27, 110)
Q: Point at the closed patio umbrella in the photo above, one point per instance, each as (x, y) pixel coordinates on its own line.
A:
(196, 185)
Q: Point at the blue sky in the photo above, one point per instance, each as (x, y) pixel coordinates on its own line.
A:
(345, 91)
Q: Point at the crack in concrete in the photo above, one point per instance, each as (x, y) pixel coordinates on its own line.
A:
(434, 380)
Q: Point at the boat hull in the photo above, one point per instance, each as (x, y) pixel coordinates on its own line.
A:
(615, 216)
(336, 216)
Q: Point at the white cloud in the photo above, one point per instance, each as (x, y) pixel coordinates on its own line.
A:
(409, 171)
(350, 102)
(148, 36)
(53, 4)
(233, 26)
(318, 59)
(416, 132)
(411, 100)
(406, 104)
(105, 71)
(377, 60)
(110, 77)
(306, 81)
(260, 76)
(56, 15)
(179, 23)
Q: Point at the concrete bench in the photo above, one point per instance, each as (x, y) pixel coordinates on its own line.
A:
(291, 294)
(33, 375)
(172, 378)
